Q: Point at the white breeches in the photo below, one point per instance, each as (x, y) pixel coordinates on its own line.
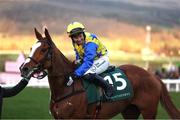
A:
(99, 65)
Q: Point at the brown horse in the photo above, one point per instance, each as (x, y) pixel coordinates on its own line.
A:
(71, 102)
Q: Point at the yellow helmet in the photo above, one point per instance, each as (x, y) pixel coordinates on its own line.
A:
(74, 28)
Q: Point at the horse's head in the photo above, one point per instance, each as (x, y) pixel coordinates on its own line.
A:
(39, 59)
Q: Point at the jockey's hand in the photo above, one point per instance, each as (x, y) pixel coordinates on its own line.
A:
(71, 77)
(77, 62)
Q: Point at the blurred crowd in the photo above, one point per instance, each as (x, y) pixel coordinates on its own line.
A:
(172, 72)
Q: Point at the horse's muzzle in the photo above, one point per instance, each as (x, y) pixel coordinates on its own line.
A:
(24, 70)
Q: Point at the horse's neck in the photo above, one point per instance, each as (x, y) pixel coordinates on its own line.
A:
(57, 74)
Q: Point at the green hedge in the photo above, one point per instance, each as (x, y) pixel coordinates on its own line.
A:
(5, 57)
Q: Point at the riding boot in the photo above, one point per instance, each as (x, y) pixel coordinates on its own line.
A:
(109, 90)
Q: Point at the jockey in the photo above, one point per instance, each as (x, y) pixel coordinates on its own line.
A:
(92, 56)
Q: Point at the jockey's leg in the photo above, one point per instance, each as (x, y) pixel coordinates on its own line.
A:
(109, 90)
(98, 80)
(99, 66)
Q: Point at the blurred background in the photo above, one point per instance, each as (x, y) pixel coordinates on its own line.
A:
(142, 32)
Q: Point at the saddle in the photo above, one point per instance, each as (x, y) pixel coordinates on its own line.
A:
(115, 77)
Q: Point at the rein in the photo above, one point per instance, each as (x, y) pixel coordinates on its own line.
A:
(55, 102)
(69, 95)
(72, 93)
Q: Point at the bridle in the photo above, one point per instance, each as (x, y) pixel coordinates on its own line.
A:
(40, 64)
(40, 68)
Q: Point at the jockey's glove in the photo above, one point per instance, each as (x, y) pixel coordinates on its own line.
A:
(74, 76)
(77, 63)
(71, 78)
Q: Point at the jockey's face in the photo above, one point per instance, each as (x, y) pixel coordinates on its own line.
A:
(78, 38)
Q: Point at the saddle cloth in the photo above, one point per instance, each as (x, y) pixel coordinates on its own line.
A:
(115, 77)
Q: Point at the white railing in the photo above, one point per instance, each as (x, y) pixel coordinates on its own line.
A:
(11, 80)
(172, 84)
(43, 83)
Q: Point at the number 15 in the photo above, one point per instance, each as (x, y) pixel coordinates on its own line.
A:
(117, 79)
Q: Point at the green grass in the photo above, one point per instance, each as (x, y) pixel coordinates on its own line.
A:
(33, 103)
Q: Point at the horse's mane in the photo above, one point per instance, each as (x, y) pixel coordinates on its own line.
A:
(60, 61)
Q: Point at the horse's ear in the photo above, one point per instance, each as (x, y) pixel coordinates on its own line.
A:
(38, 35)
(47, 34)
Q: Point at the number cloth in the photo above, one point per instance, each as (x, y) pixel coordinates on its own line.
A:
(118, 79)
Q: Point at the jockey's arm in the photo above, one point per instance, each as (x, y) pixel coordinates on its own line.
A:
(89, 55)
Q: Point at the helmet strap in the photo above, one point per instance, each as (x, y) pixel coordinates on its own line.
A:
(84, 35)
